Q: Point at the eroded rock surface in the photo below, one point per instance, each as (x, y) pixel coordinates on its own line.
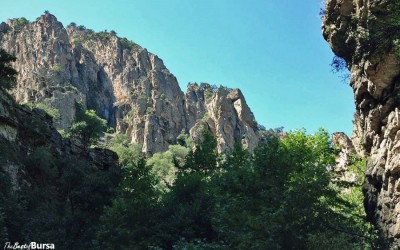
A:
(359, 32)
(126, 85)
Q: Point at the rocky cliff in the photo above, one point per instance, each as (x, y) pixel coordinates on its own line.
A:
(24, 130)
(365, 35)
(126, 85)
(50, 186)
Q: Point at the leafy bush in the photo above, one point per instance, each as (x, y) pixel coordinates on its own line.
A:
(21, 22)
(129, 117)
(339, 65)
(208, 90)
(78, 39)
(129, 45)
(110, 130)
(53, 112)
(164, 165)
(56, 68)
(150, 110)
(72, 88)
(185, 140)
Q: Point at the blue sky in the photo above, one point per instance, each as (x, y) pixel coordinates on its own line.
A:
(272, 50)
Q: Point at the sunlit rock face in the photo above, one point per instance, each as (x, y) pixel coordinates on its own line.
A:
(126, 85)
(354, 31)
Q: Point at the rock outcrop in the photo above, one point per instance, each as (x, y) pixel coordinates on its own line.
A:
(126, 85)
(364, 34)
(50, 180)
(342, 142)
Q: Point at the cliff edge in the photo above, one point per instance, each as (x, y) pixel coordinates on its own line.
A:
(364, 35)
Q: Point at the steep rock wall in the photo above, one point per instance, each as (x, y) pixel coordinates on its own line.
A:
(23, 130)
(126, 85)
(359, 31)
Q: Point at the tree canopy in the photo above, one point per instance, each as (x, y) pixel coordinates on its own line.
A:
(281, 196)
(87, 126)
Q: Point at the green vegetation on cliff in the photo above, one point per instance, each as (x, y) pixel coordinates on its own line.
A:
(88, 127)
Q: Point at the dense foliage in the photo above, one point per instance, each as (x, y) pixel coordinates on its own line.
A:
(284, 195)
(60, 200)
(280, 197)
(384, 30)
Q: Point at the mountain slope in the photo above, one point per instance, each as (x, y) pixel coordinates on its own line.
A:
(126, 85)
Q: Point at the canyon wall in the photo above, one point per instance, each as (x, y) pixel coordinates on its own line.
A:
(363, 34)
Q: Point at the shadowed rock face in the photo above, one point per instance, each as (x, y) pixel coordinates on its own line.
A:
(126, 85)
(352, 28)
(23, 130)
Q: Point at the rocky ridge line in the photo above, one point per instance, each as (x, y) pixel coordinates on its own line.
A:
(126, 85)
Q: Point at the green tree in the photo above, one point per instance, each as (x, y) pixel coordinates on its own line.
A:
(204, 157)
(164, 165)
(129, 222)
(57, 200)
(87, 126)
(87, 190)
(283, 198)
(8, 75)
(187, 209)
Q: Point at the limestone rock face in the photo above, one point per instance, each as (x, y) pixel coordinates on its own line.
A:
(224, 112)
(354, 31)
(341, 141)
(126, 85)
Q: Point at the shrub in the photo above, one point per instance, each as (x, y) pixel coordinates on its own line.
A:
(70, 87)
(56, 68)
(87, 126)
(128, 45)
(184, 139)
(150, 110)
(53, 112)
(21, 22)
(72, 24)
(78, 39)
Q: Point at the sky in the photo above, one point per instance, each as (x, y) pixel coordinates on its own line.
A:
(273, 50)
